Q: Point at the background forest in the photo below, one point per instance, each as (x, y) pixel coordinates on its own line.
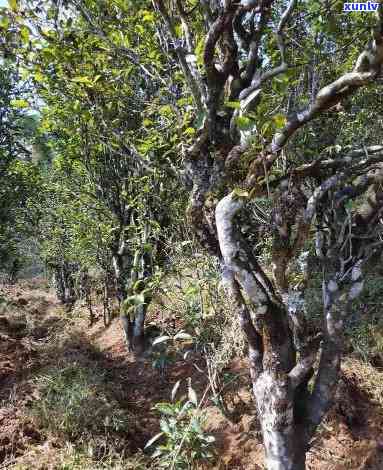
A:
(191, 229)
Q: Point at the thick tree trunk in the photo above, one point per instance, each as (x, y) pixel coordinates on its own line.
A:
(287, 457)
(282, 450)
(278, 375)
(284, 439)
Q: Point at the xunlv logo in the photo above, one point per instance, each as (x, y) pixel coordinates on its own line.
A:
(366, 6)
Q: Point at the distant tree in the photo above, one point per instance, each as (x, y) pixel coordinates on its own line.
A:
(109, 120)
(19, 178)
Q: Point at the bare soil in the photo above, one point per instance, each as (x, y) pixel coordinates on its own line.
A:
(351, 437)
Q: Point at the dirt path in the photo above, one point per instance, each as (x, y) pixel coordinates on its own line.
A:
(350, 439)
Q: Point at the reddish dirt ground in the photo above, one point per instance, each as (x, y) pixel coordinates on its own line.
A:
(351, 437)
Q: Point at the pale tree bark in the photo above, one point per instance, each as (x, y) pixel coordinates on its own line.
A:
(127, 273)
(289, 414)
(132, 276)
(282, 351)
(273, 389)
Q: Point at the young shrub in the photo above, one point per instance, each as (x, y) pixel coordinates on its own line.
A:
(186, 444)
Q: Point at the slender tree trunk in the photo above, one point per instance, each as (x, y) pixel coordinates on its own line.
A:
(134, 330)
(133, 326)
(59, 284)
(70, 293)
(127, 325)
(139, 329)
(106, 304)
(92, 317)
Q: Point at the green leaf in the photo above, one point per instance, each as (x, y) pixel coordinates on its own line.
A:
(189, 131)
(183, 336)
(192, 395)
(138, 285)
(135, 300)
(191, 291)
(267, 126)
(178, 30)
(24, 34)
(240, 192)
(164, 425)
(19, 103)
(244, 123)
(199, 120)
(349, 205)
(199, 49)
(84, 80)
(161, 339)
(233, 104)
(148, 16)
(13, 4)
(166, 110)
(175, 389)
(4, 22)
(153, 440)
(280, 120)
(39, 77)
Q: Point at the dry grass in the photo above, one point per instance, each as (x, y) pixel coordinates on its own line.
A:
(370, 379)
(71, 383)
(50, 457)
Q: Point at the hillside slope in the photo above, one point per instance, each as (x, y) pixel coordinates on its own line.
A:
(39, 341)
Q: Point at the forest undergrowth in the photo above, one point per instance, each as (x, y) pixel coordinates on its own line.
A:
(72, 397)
